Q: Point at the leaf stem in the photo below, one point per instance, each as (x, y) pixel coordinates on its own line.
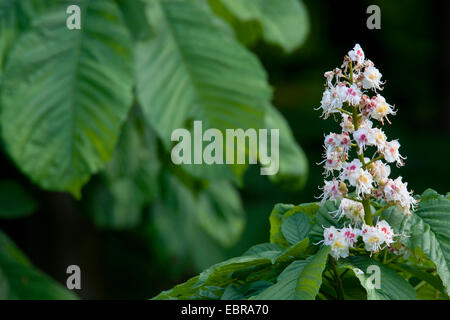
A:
(339, 288)
(420, 285)
(345, 111)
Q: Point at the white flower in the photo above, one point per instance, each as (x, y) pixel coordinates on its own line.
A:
(363, 182)
(329, 234)
(372, 78)
(349, 171)
(373, 238)
(380, 171)
(353, 95)
(329, 75)
(337, 142)
(365, 124)
(364, 136)
(333, 190)
(386, 231)
(347, 123)
(339, 246)
(391, 154)
(381, 108)
(350, 235)
(332, 162)
(332, 100)
(395, 191)
(357, 54)
(353, 210)
(377, 138)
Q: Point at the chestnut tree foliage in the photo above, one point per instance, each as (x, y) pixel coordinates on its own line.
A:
(103, 100)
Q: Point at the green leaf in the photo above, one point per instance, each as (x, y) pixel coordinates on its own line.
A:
(283, 211)
(429, 229)
(181, 291)
(15, 200)
(297, 250)
(285, 23)
(293, 164)
(134, 16)
(296, 228)
(263, 247)
(324, 218)
(69, 91)
(174, 222)
(20, 280)
(8, 25)
(220, 274)
(129, 182)
(434, 281)
(428, 292)
(203, 73)
(392, 285)
(220, 212)
(301, 280)
(244, 291)
(276, 218)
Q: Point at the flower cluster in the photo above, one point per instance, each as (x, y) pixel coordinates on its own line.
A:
(347, 95)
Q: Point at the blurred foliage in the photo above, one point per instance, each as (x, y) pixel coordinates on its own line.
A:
(90, 112)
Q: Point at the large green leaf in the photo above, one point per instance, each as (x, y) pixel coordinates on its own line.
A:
(8, 27)
(281, 212)
(296, 227)
(429, 229)
(174, 222)
(300, 280)
(129, 181)
(194, 69)
(215, 278)
(285, 23)
(15, 200)
(324, 218)
(20, 280)
(69, 91)
(293, 164)
(392, 285)
(220, 212)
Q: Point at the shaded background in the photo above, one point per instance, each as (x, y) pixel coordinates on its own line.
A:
(412, 50)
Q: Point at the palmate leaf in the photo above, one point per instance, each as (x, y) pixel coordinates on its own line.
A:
(296, 227)
(65, 94)
(324, 218)
(392, 285)
(116, 198)
(194, 221)
(427, 228)
(301, 280)
(280, 213)
(284, 23)
(20, 280)
(215, 278)
(8, 27)
(194, 69)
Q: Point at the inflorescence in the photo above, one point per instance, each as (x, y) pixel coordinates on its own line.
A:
(347, 95)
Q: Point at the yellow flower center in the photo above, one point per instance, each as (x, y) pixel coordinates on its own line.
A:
(338, 244)
(382, 108)
(374, 239)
